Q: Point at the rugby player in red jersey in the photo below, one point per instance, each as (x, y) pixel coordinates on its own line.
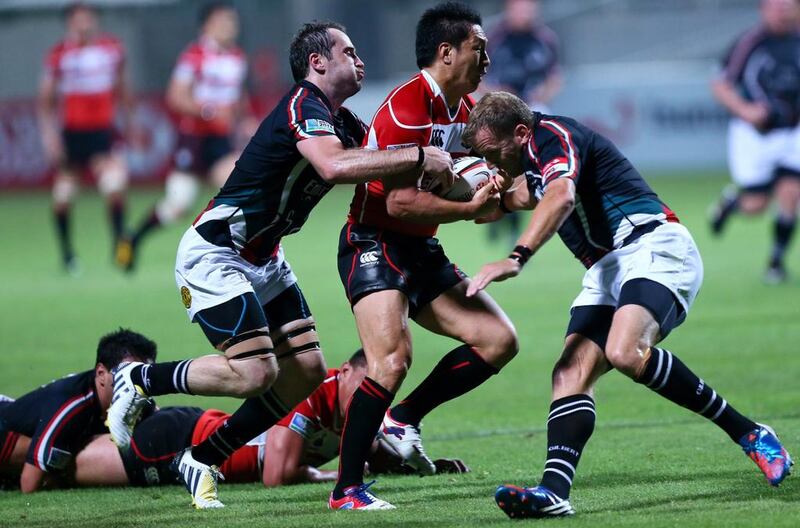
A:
(82, 83)
(394, 269)
(207, 93)
(231, 271)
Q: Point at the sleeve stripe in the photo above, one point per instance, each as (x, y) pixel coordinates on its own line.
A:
(61, 417)
(290, 109)
(566, 142)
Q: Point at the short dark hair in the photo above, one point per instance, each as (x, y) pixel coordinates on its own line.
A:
(208, 10)
(311, 38)
(358, 359)
(115, 346)
(500, 112)
(448, 22)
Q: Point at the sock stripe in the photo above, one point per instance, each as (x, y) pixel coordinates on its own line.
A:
(581, 401)
(658, 366)
(562, 462)
(559, 472)
(270, 406)
(276, 403)
(185, 380)
(565, 413)
(710, 402)
(667, 371)
(721, 408)
(220, 444)
(145, 375)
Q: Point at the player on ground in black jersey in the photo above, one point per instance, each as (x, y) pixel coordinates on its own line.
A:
(760, 85)
(643, 273)
(61, 417)
(230, 267)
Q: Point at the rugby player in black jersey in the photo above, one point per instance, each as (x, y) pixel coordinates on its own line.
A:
(643, 273)
(42, 431)
(230, 267)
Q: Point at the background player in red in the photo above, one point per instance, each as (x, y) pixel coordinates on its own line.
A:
(394, 269)
(207, 93)
(42, 431)
(760, 85)
(83, 81)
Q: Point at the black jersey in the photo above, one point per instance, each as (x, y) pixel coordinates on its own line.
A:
(613, 203)
(273, 188)
(766, 68)
(60, 418)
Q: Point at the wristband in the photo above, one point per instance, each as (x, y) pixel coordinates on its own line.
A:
(502, 206)
(521, 254)
(421, 157)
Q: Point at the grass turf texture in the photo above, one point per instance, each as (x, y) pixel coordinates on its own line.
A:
(649, 462)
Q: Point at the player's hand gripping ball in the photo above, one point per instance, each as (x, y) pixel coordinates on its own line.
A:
(473, 173)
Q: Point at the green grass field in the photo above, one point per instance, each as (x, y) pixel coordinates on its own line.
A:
(649, 462)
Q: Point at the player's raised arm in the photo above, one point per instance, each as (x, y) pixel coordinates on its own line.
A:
(336, 164)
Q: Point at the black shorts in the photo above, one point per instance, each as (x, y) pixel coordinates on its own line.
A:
(197, 154)
(243, 314)
(81, 146)
(155, 442)
(371, 260)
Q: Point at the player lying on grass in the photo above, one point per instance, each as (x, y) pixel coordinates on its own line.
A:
(41, 432)
(289, 453)
(644, 271)
(231, 272)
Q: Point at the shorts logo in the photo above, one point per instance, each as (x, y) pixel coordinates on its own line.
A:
(186, 297)
(151, 476)
(368, 258)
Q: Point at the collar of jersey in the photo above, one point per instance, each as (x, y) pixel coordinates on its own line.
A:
(314, 88)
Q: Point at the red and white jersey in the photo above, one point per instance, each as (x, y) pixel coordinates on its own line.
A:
(217, 77)
(318, 420)
(86, 76)
(415, 113)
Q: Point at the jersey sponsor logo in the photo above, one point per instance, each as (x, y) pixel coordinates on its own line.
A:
(368, 258)
(186, 297)
(58, 458)
(301, 425)
(317, 125)
(557, 165)
(400, 146)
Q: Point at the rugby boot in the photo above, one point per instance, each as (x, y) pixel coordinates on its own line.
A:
(359, 498)
(405, 441)
(536, 502)
(127, 403)
(200, 480)
(764, 448)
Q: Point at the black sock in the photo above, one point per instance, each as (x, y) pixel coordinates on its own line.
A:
(668, 376)
(458, 372)
(361, 424)
(255, 416)
(169, 377)
(569, 426)
(147, 225)
(116, 213)
(61, 216)
(783, 231)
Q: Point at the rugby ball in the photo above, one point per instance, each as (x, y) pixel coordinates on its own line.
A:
(473, 173)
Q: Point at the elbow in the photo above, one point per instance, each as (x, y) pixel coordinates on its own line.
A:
(333, 172)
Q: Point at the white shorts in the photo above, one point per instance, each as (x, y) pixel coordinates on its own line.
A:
(208, 275)
(753, 157)
(667, 255)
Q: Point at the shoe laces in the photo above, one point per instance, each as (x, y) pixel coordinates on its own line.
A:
(362, 493)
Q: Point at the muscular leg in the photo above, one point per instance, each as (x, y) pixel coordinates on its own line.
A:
(489, 343)
(65, 188)
(382, 322)
(99, 464)
(631, 350)
(734, 200)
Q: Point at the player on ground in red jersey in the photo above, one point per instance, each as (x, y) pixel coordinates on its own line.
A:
(393, 268)
(83, 79)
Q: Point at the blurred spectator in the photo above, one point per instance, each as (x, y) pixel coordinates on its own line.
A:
(524, 55)
(760, 85)
(83, 79)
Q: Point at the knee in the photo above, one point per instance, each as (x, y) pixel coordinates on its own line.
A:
(627, 358)
(392, 369)
(315, 371)
(256, 375)
(500, 344)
